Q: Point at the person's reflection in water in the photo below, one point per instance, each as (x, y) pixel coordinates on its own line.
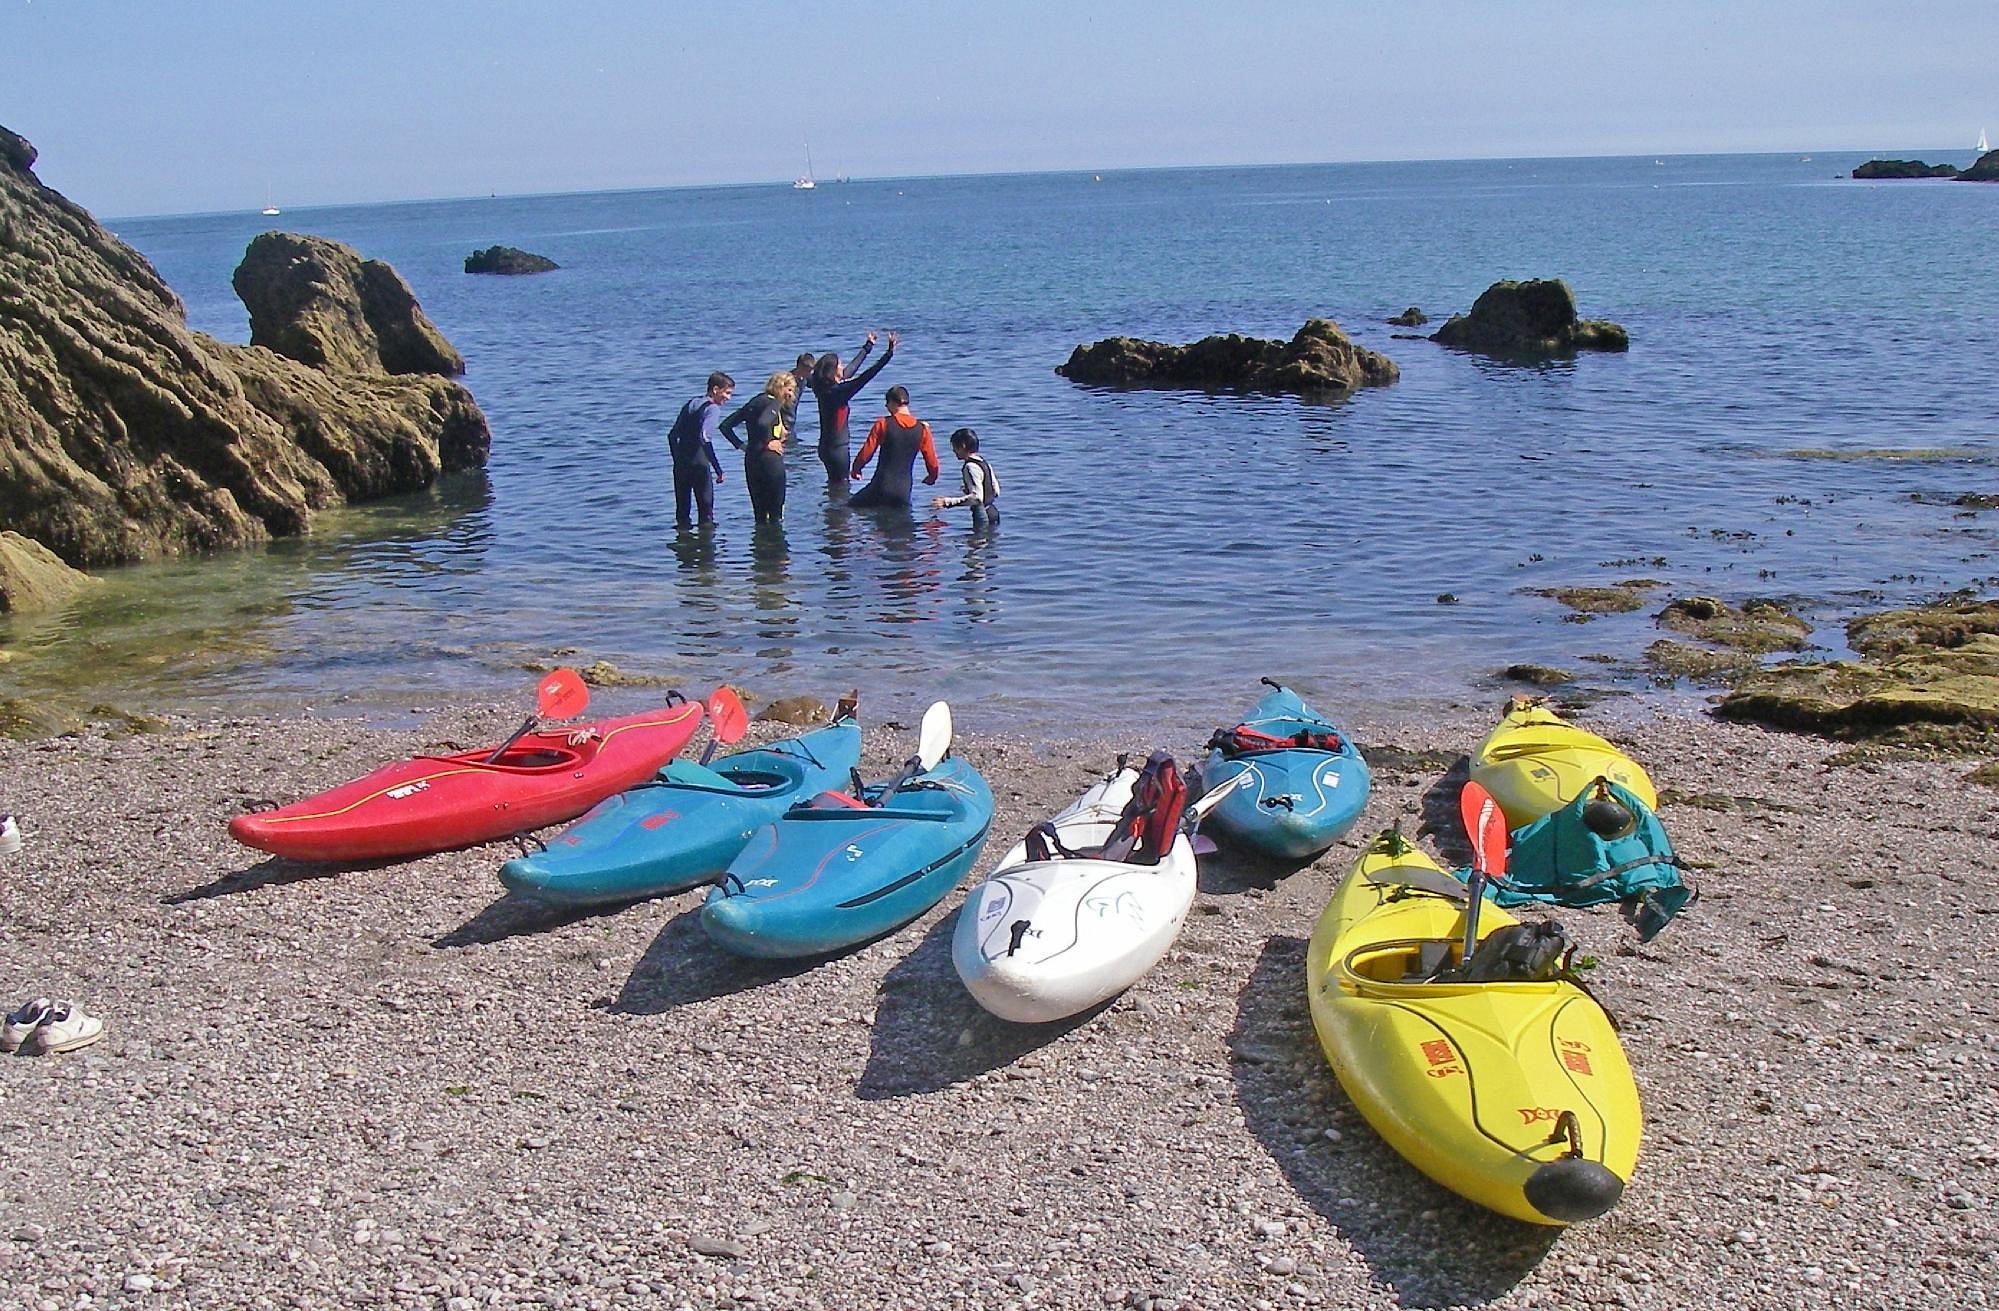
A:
(981, 604)
(909, 555)
(694, 548)
(770, 586)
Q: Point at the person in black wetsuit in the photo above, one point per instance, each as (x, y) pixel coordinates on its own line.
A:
(691, 442)
(801, 376)
(763, 451)
(835, 391)
(900, 437)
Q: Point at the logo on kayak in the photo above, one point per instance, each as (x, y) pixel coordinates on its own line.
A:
(1330, 778)
(1443, 1059)
(662, 818)
(761, 883)
(1575, 1055)
(408, 790)
(1538, 1114)
(854, 852)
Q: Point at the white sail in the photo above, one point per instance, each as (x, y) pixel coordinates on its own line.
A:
(1982, 145)
(806, 183)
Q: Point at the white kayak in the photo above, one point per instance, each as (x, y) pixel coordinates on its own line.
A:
(1044, 939)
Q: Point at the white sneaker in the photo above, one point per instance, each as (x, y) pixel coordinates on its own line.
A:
(67, 1028)
(10, 835)
(22, 1023)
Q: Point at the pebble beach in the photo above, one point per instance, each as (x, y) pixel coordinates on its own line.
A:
(398, 1087)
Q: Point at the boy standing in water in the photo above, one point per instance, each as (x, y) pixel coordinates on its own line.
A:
(691, 442)
(980, 484)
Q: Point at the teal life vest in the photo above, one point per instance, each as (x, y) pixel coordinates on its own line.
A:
(1560, 860)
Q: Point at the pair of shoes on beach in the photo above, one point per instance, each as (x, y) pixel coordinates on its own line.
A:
(10, 835)
(42, 1026)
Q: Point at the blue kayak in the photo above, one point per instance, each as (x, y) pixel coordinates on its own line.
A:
(1307, 787)
(839, 871)
(681, 828)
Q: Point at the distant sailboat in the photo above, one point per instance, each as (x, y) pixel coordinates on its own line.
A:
(1983, 145)
(269, 208)
(806, 183)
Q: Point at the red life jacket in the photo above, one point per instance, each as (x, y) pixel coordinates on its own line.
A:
(1242, 740)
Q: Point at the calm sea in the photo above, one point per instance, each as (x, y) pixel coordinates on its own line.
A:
(1159, 549)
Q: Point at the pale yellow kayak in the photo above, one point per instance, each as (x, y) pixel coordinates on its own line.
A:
(1514, 1095)
(1536, 762)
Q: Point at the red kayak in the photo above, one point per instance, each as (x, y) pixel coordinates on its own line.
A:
(435, 803)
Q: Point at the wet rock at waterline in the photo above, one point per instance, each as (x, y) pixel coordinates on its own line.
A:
(1319, 358)
(1410, 318)
(32, 577)
(1532, 318)
(1881, 169)
(1757, 628)
(508, 260)
(133, 438)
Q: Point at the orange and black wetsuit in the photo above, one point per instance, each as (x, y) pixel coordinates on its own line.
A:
(900, 438)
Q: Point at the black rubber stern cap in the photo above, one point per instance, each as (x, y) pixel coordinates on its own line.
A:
(1573, 1189)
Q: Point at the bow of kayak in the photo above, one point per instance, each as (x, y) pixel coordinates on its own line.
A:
(1535, 762)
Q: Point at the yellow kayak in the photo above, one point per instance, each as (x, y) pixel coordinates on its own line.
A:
(1515, 1095)
(1535, 762)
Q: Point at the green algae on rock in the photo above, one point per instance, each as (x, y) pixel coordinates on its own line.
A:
(1672, 660)
(32, 577)
(1621, 598)
(1758, 628)
(1929, 678)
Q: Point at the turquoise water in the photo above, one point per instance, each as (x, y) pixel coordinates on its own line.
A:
(1157, 546)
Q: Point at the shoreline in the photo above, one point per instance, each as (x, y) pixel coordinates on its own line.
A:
(395, 1086)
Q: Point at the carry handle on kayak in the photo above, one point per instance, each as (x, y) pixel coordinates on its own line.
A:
(1485, 824)
(933, 743)
(561, 695)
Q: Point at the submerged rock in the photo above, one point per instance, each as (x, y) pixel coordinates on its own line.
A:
(1902, 168)
(1618, 599)
(1929, 677)
(1531, 318)
(1320, 358)
(1410, 318)
(132, 437)
(1757, 628)
(506, 259)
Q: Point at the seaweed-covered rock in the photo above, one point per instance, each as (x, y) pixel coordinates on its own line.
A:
(1320, 358)
(318, 302)
(1532, 318)
(1620, 598)
(1902, 168)
(508, 260)
(1537, 675)
(1669, 660)
(32, 577)
(1757, 628)
(1985, 170)
(1930, 678)
(129, 437)
(1410, 318)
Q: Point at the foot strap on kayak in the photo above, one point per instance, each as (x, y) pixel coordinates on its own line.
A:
(724, 879)
(1045, 843)
(529, 843)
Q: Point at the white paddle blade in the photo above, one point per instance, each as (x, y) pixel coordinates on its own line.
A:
(933, 740)
(1209, 800)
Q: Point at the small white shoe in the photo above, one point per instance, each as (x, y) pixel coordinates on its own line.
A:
(10, 835)
(21, 1024)
(67, 1028)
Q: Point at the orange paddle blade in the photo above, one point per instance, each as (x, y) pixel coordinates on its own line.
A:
(726, 715)
(562, 695)
(1485, 825)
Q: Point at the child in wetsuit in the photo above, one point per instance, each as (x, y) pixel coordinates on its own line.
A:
(691, 442)
(981, 484)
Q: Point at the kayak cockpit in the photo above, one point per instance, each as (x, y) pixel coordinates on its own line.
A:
(520, 759)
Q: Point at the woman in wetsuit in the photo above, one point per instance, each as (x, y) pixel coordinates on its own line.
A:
(900, 437)
(763, 452)
(834, 391)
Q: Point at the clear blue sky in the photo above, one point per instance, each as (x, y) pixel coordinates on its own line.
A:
(195, 105)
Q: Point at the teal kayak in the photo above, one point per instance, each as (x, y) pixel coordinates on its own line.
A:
(1307, 785)
(681, 828)
(841, 870)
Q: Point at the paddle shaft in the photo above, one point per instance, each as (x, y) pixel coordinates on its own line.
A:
(526, 727)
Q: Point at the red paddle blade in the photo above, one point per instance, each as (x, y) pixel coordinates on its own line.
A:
(1485, 824)
(727, 716)
(561, 695)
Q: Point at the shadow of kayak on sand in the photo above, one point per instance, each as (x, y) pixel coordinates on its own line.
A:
(929, 1033)
(1427, 1245)
(270, 872)
(682, 966)
(512, 915)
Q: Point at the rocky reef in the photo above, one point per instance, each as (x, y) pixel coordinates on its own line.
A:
(1876, 169)
(1985, 170)
(1533, 318)
(1413, 317)
(508, 260)
(1319, 359)
(1925, 677)
(124, 436)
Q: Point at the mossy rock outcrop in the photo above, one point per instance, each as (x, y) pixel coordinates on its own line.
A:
(32, 577)
(1758, 628)
(1319, 358)
(508, 260)
(1532, 318)
(1413, 317)
(1620, 598)
(1669, 660)
(129, 437)
(1929, 678)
